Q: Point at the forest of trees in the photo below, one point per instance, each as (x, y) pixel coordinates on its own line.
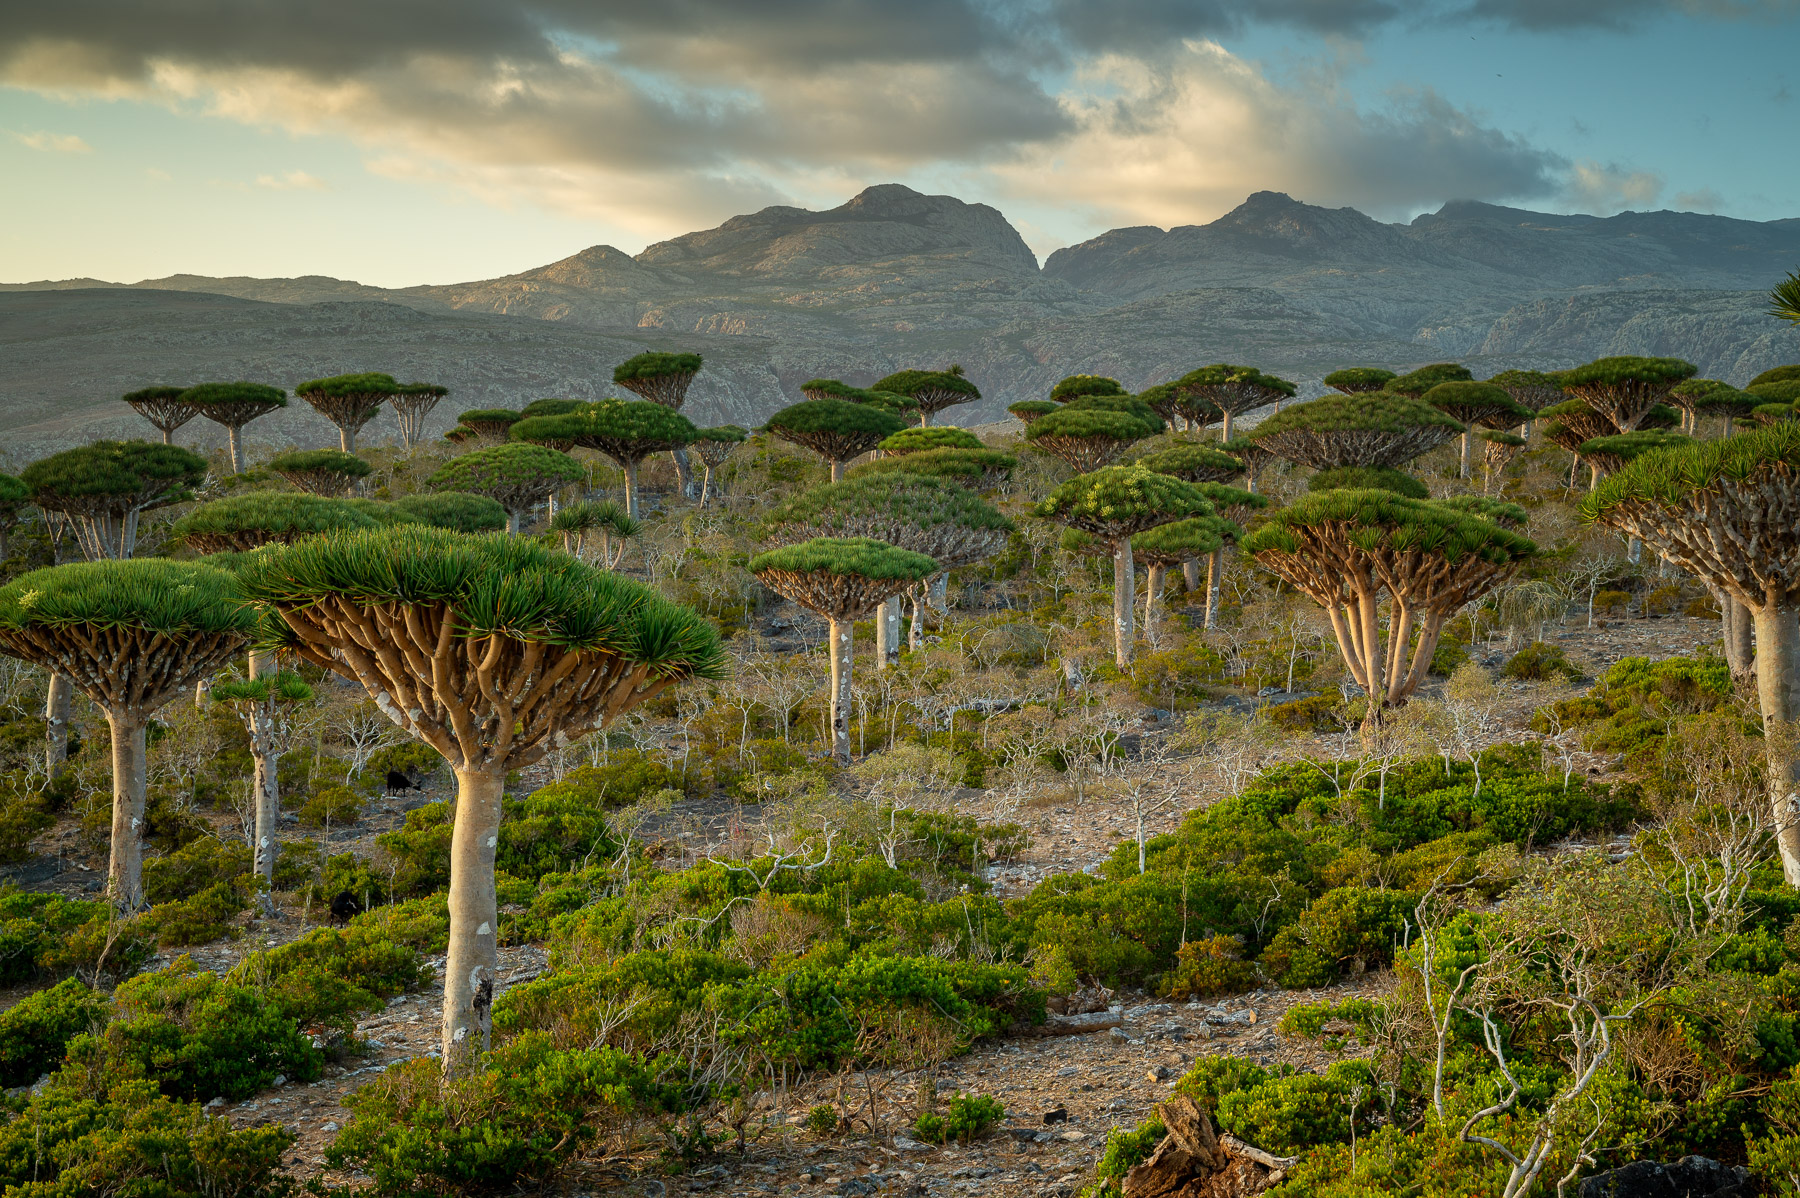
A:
(737, 725)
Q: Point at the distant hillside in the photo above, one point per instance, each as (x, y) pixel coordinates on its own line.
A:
(894, 278)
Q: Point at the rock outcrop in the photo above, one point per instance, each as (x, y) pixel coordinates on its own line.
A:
(1689, 1177)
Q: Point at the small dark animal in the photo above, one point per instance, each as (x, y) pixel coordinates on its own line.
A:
(1059, 1115)
(398, 782)
(344, 906)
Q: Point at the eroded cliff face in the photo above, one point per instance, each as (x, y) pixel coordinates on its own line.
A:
(895, 278)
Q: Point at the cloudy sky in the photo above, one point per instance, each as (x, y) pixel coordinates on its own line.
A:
(408, 141)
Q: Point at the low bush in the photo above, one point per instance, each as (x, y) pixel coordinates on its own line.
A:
(414, 759)
(422, 924)
(199, 1036)
(35, 930)
(420, 852)
(327, 979)
(496, 1129)
(1288, 1114)
(967, 1116)
(1538, 662)
(202, 919)
(1611, 603)
(196, 866)
(22, 817)
(331, 805)
(1351, 928)
(1316, 713)
(34, 1030)
(1126, 1148)
(1208, 967)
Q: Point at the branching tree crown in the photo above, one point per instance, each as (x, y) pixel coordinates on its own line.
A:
(349, 400)
(1611, 454)
(1418, 382)
(1194, 463)
(658, 377)
(1121, 501)
(163, 407)
(1077, 385)
(1090, 437)
(493, 424)
(1028, 410)
(242, 522)
(1626, 389)
(457, 511)
(1234, 390)
(1478, 403)
(412, 403)
(932, 390)
(1354, 380)
(834, 429)
(234, 405)
(933, 516)
(103, 488)
(1180, 541)
(1776, 374)
(625, 431)
(550, 407)
(328, 472)
(843, 578)
(1534, 389)
(918, 440)
(517, 476)
(976, 469)
(1377, 429)
(715, 444)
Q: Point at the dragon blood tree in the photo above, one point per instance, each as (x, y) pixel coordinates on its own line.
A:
(412, 403)
(130, 635)
(492, 650)
(918, 512)
(327, 472)
(1533, 389)
(842, 579)
(1253, 456)
(931, 390)
(1571, 424)
(349, 401)
(1354, 380)
(484, 426)
(1175, 544)
(516, 476)
(1115, 504)
(1476, 405)
(832, 389)
(1609, 455)
(1626, 390)
(1193, 463)
(1027, 410)
(262, 701)
(457, 511)
(918, 440)
(1233, 390)
(1501, 447)
(163, 407)
(834, 429)
(1077, 385)
(627, 431)
(1727, 512)
(234, 405)
(976, 469)
(250, 520)
(1416, 383)
(1368, 478)
(103, 489)
(663, 378)
(1234, 507)
(1377, 429)
(1345, 549)
(1087, 438)
(714, 445)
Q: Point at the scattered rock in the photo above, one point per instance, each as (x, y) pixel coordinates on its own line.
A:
(1157, 1073)
(1689, 1177)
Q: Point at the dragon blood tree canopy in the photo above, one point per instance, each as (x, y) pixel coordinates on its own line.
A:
(1345, 549)
(1533, 389)
(932, 390)
(1377, 429)
(1610, 454)
(412, 403)
(1077, 385)
(457, 511)
(492, 425)
(349, 401)
(1354, 380)
(834, 429)
(1087, 438)
(242, 522)
(1626, 389)
(517, 476)
(1368, 478)
(234, 405)
(627, 431)
(1193, 463)
(658, 377)
(918, 440)
(715, 444)
(1233, 390)
(329, 472)
(976, 469)
(1418, 382)
(947, 523)
(1028, 410)
(163, 407)
(103, 488)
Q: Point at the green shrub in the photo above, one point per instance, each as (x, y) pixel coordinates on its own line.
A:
(107, 945)
(1212, 1077)
(422, 924)
(34, 1031)
(627, 777)
(327, 979)
(22, 817)
(552, 830)
(413, 758)
(1451, 652)
(1538, 662)
(966, 1118)
(297, 863)
(420, 850)
(1287, 1115)
(1316, 713)
(1204, 968)
(1348, 927)
(199, 1036)
(35, 931)
(1610, 603)
(1125, 1149)
(336, 805)
(822, 1120)
(198, 865)
(496, 1129)
(128, 1140)
(202, 919)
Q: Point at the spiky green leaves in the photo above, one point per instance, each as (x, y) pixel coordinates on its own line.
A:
(595, 515)
(1416, 383)
(1477, 403)
(320, 471)
(833, 418)
(284, 687)
(1611, 453)
(1234, 389)
(653, 365)
(918, 440)
(1354, 380)
(516, 475)
(1120, 501)
(1088, 438)
(493, 586)
(1194, 463)
(489, 422)
(1625, 389)
(728, 434)
(242, 522)
(457, 511)
(1368, 478)
(841, 578)
(1077, 385)
(1672, 478)
(115, 475)
(230, 401)
(1500, 436)
(549, 407)
(1181, 540)
(163, 407)
(1776, 374)
(1377, 429)
(932, 390)
(976, 469)
(372, 386)
(1534, 389)
(1498, 511)
(1383, 521)
(626, 431)
(175, 599)
(918, 512)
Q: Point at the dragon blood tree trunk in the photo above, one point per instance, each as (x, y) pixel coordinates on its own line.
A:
(631, 488)
(125, 870)
(266, 788)
(887, 632)
(1737, 627)
(684, 472)
(1190, 574)
(842, 649)
(472, 965)
(1777, 643)
(59, 709)
(1124, 601)
(1154, 579)
(1215, 570)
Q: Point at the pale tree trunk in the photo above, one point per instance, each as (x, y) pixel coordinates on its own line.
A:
(916, 636)
(168, 436)
(235, 435)
(1190, 574)
(837, 470)
(842, 634)
(1124, 594)
(59, 710)
(706, 487)
(514, 522)
(1468, 447)
(265, 781)
(684, 472)
(1777, 641)
(1740, 651)
(125, 871)
(472, 964)
(1215, 570)
(1225, 428)
(631, 506)
(887, 633)
(1154, 579)
(938, 595)
(347, 439)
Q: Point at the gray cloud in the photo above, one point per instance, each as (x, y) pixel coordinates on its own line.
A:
(1545, 16)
